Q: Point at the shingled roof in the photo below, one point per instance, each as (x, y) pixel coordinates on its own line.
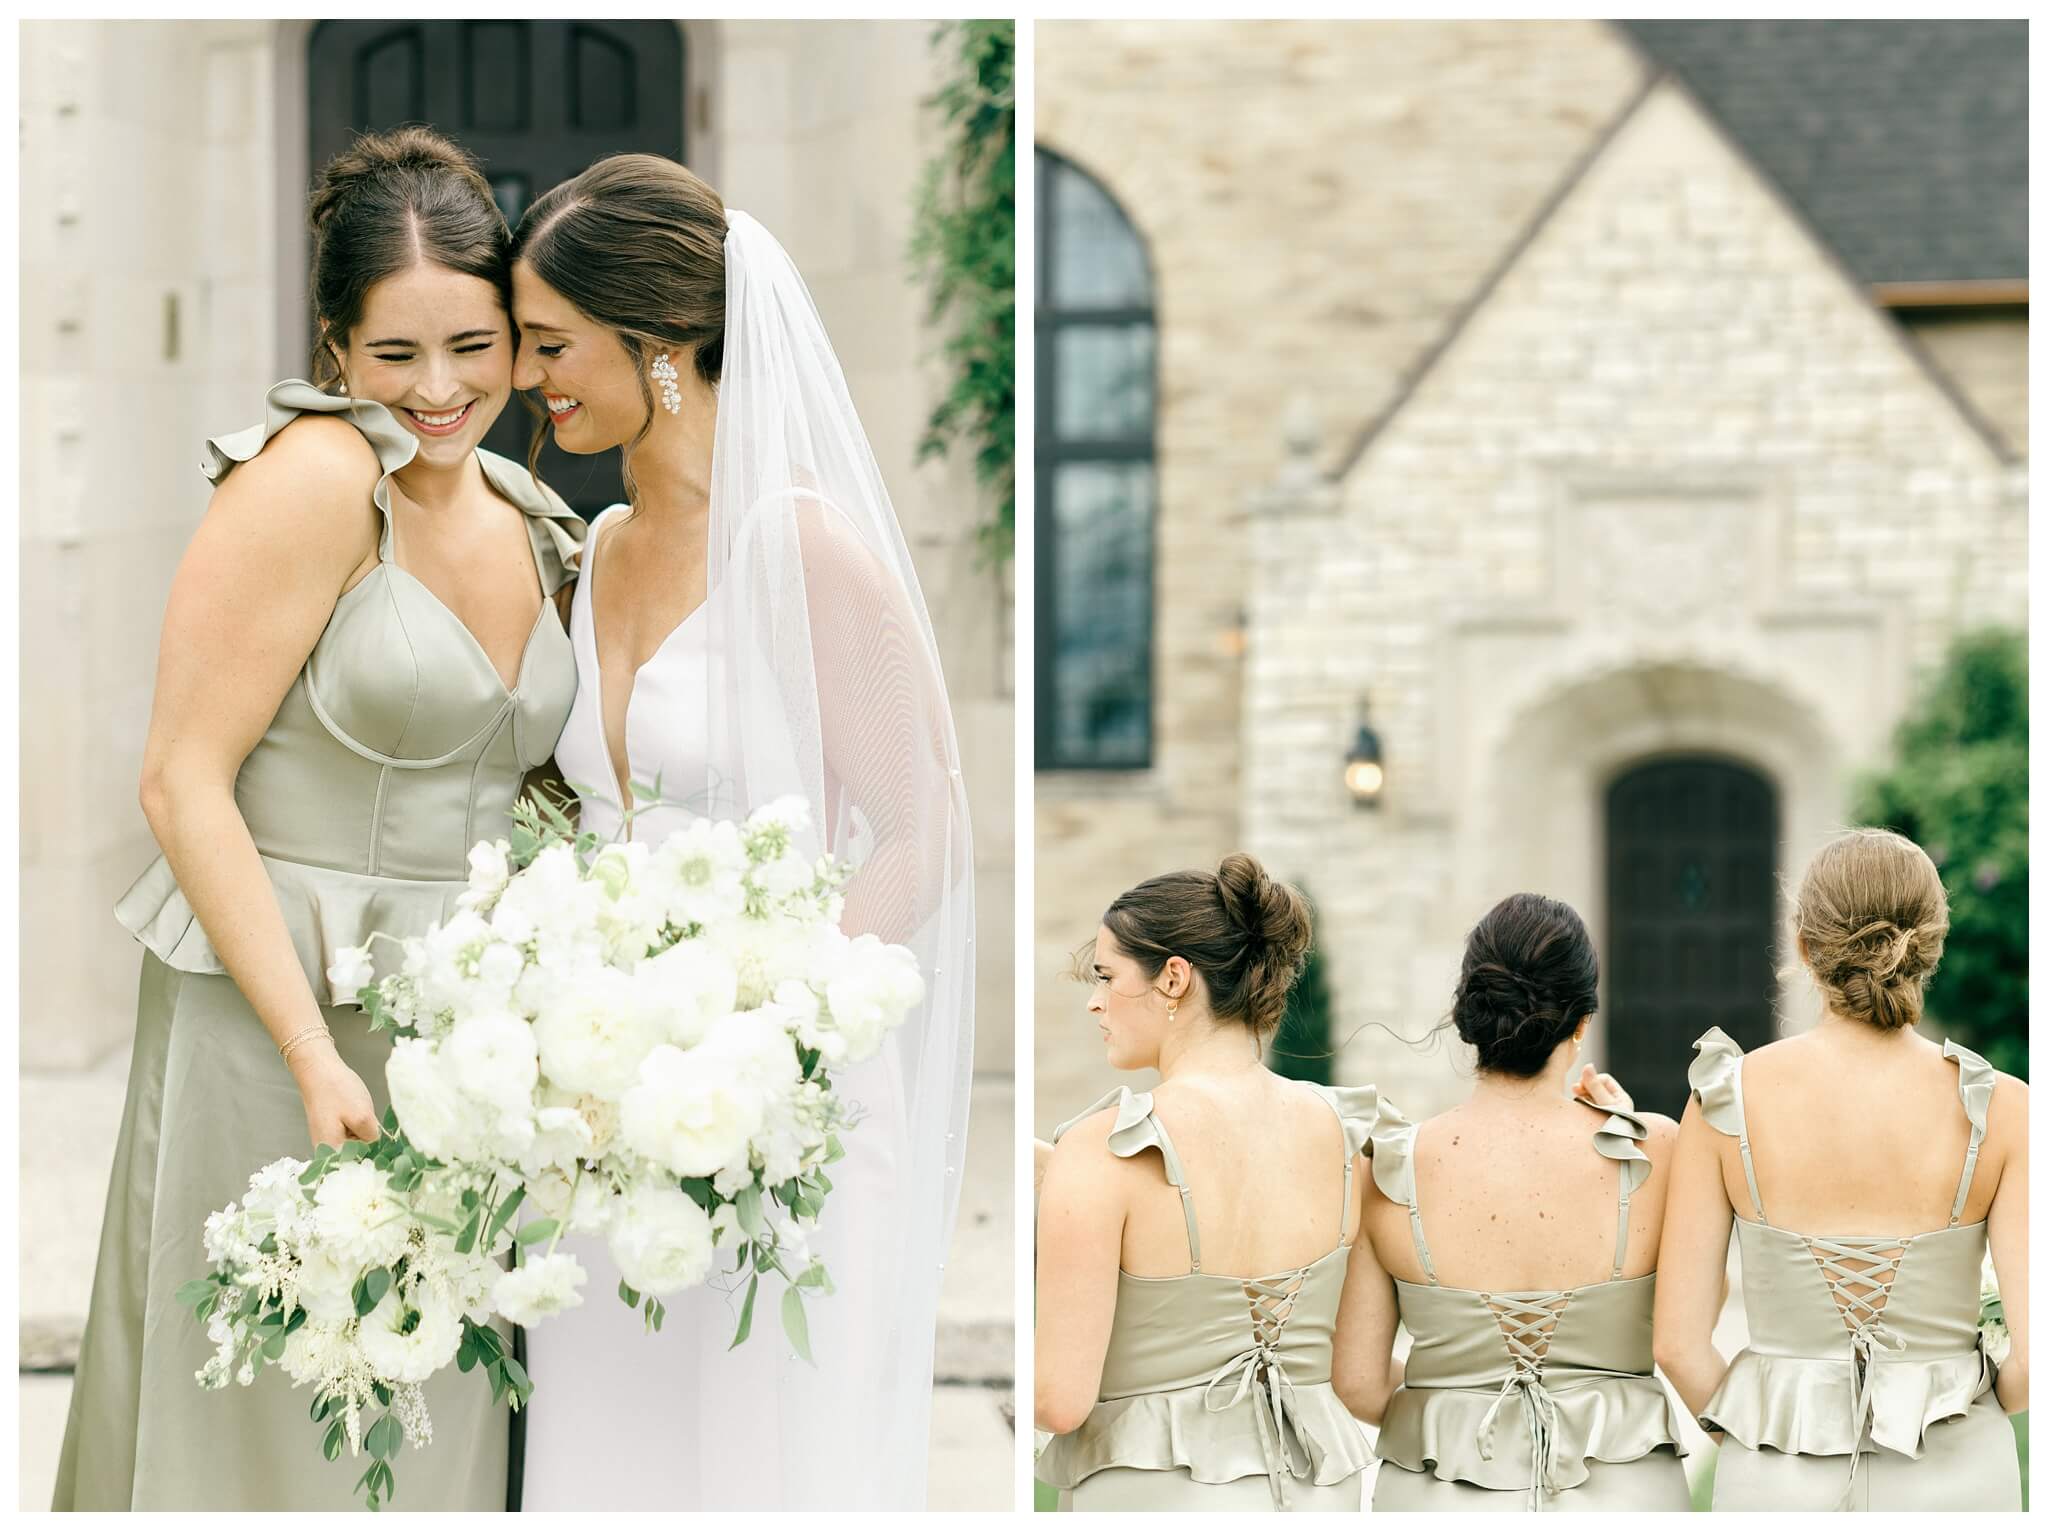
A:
(1904, 142)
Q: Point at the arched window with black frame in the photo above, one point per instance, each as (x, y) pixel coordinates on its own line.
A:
(1097, 489)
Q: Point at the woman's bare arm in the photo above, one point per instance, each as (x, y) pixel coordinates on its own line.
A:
(281, 539)
(2008, 1233)
(1080, 1244)
(1362, 1365)
(1692, 1264)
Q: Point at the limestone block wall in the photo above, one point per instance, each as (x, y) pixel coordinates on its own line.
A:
(1674, 486)
(1318, 200)
(147, 245)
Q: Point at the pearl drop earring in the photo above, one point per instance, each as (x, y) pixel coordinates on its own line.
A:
(664, 373)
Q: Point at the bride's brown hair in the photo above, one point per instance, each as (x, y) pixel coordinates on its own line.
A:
(637, 243)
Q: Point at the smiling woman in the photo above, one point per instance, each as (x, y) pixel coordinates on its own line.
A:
(359, 666)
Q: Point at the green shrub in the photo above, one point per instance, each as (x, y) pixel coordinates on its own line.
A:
(1301, 1046)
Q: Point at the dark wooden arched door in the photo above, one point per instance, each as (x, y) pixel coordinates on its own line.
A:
(1691, 918)
(536, 102)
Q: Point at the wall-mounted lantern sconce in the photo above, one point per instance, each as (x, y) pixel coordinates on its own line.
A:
(1365, 776)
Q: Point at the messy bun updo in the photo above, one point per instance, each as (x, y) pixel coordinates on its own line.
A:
(1244, 932)
(383, 205)
(1873, 917)
(1530, 975)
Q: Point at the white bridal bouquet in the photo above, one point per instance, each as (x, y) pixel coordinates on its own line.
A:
(632, 1042)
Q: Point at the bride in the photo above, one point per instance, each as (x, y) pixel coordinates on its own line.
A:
(746, 627)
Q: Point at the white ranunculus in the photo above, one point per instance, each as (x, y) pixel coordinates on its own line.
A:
(490, 868)
(357, 1217)
(409, 1338)
(350, 971)
(327, 1287)
(699, 872)
(686, 988)
(875, 987)
(691, 1112)
(661, 1240)
(544, 1285)
(593, 1033)
(496, 1059)
(437, 1116)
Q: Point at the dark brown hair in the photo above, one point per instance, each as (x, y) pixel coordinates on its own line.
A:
(383, 205)
(1529, 976)
(1246, 934)
(1874, 917)
(637, 243)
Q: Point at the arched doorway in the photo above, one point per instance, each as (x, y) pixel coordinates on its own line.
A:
(536, 102)
(1691, 917)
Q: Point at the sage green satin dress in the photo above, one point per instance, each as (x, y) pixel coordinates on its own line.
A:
(1527, 1400)
(1216, 1389)
(395, 750)
(1865, 1385)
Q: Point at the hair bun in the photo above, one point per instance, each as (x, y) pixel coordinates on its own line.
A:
(1529, 976)
(1269, 913)
(374, 156)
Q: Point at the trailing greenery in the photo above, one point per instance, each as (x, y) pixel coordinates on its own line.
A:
(1958, 787)
(964, 240)
(1301, 1045)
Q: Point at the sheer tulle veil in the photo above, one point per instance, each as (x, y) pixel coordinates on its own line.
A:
(826, 683)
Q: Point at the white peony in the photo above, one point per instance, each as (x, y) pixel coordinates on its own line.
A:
(545, 1285)
(691, 1112)
(496, 1059)
(686, 988)
(409, 1338)
(875, 988)
(356, 1216)
(437, 1116)
(326, 1287)
(593, 1033)
(562, 1138)
(350, 971)
(661, 1240)
(498, 967)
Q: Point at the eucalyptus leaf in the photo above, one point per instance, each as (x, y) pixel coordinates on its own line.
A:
(794, 1323)
(749, 1204)
(746, 1313)
(537, 1231)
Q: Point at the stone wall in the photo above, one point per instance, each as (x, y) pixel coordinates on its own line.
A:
(1675, 486)
(152, 165)
(1318, 200)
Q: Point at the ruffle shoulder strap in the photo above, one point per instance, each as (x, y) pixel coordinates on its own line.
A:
(1620, 1137)
(1392, 1146)
(1358, 1108)
(285, 402)
(1974, 1079)
(1715, 1076)
(1132, 1133)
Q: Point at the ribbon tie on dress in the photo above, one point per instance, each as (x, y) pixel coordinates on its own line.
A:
(1259, 1373)
(1864, 1343)
(1540, 1410)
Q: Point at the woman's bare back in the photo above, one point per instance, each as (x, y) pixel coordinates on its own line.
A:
(1264, 1160)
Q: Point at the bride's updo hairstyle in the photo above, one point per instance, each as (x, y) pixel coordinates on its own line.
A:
(383, 205)
(637, 243)
(1246, 934)
(1529, 977)
(1873, 916)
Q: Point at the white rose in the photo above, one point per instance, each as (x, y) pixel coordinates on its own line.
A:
(490, 867)
(496, 1059)
(350, 971)
(538, 1288)
(408, 1339)
(661, 1240)
(326, 1287)
(686, 988)
(593, 1033)
(691, 1112)
(356, 1216)
(437, 1117)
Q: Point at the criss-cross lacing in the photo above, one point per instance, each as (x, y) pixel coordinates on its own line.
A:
(1861, 1290)
(1526, 1326)
(1258, 1368)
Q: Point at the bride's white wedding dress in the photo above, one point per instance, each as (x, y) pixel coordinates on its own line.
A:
(811, 669)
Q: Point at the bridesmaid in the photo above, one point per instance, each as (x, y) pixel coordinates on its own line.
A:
(359, 664)
(1195, 1242)
(1868, 1387)
(1528, 1292)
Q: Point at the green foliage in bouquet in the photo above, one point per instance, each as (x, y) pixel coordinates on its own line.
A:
(964, 239)
(1957, 787)
(1301, 1045)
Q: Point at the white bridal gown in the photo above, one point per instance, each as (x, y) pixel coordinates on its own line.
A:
(625, 1419)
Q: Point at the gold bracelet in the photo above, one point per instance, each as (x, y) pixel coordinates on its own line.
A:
(284, 1049)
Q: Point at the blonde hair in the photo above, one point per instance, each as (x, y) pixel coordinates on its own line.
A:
(1872, 915)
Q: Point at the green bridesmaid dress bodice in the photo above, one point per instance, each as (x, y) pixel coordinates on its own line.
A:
(398, 746)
